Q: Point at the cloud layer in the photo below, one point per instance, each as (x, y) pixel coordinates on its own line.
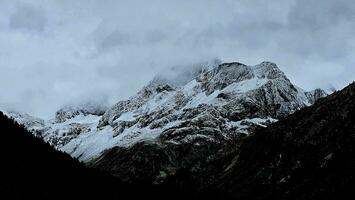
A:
(56, 52)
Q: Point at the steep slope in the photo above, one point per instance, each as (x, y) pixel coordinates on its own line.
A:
(308, 155)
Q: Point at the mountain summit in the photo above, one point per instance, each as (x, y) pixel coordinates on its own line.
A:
(201, 116)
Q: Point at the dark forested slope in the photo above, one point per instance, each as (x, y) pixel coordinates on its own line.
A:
(307, 155)
(32, 169)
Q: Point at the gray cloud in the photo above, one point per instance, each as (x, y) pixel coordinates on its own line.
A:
(27, 17)
(154, 36)
(313, 15)
(107, 39)
(107, 51)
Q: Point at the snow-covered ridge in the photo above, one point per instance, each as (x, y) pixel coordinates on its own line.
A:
(34, 124)
(228, 99)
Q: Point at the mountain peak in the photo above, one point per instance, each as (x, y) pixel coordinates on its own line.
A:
(268, 63)
(182, 74)
(268, 70)
(228, 98)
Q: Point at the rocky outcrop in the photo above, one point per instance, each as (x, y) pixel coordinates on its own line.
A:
(314, 95)
(69, 112)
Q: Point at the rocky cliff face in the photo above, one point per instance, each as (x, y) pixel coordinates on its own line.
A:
(168, 127)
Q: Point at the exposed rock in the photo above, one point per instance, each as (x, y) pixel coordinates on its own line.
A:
(69, 112)
(314, 95)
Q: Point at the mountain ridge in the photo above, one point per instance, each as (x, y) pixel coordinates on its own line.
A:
(228, 98)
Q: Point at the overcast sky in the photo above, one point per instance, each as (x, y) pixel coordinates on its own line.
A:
(56, 52)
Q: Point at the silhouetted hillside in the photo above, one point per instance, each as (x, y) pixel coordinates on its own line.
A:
(32, 169)
(308, 155)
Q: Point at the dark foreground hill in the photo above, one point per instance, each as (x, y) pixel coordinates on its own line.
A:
(32, 169)
(308, 155)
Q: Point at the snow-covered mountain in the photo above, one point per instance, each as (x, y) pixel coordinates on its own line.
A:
(216, 104)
